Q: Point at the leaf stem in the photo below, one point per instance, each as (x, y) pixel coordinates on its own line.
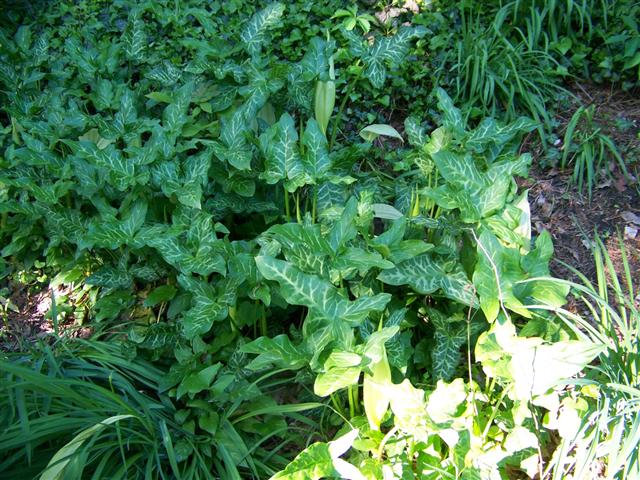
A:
(314, 204)
(352, 409)
(296, 196)
(287, 209)
(337, 405)
(263, 322)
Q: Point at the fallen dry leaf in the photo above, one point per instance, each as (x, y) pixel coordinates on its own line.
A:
(630, 217)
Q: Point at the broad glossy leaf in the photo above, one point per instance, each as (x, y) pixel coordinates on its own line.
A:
(309, 237)
(198, 381)
(165, 73)
(445, 356)
(489, 132)
(254, 33)
(163, 293)
(344, 230)
(282, 156)
(199, 319)
(451, 116)
(500, 269)
(415, 132)
(313, 463)
(376, 72)
(529, 365)
(111, 278)
(426, 276)
(444, 401)
(334, 379)
(134, 37)
(475, 193)
(371, 132)
(317, 294)
(316, 154)
(392, 50)
(278, 351)
(321, 460)
(316, 61)
(112, 233)
(410, 409)
(362, 260)
(174, 116)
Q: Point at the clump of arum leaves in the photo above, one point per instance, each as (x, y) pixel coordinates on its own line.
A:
(228, 234)
(458, 427)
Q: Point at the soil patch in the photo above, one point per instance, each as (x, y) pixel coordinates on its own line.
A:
(614, 210)
(27, 317)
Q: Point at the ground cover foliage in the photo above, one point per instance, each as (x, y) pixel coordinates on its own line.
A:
(284, 279)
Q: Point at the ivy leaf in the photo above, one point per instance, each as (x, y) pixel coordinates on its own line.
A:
(254, 32)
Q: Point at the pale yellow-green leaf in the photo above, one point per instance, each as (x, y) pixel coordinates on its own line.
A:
(444, 401)
(520, 438)
(376, 391)
(372, 132)
(325, 100)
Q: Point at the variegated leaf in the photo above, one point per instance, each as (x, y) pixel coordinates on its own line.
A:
(282, 157)
(134, 37)
(316, 154)
(254, 32)
(317, 294)
(426, 276)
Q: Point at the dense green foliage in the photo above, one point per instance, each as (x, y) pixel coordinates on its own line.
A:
(258, 276)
